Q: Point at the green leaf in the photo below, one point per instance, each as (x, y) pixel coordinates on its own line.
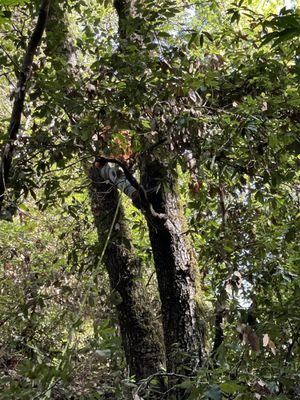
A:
(235, 17)
(268, 37)
(208, 35)
(185, 384)
(286, 35)
(193, 39)
(230, 387)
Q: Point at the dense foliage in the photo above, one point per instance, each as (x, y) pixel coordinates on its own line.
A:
(212, 89)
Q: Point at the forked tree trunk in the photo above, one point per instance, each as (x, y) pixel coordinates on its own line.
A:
(139, 330)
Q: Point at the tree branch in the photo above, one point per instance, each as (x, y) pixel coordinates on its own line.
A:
(24, 76)
(140, 201)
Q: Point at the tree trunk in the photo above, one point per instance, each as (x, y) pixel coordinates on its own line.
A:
(139, 330)
(16, 114)
(176, 270)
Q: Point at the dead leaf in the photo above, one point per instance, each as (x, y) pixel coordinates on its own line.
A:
(260, 388)
(266, 339)
(267, 342)
(192, 96)
(264, 106)
(91, 88)
(228, 288)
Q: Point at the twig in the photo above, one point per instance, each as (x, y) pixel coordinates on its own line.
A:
(11, 59)
(150, 278)
(145, 383)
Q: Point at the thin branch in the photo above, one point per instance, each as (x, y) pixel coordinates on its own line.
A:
(150, 278)
(146, 382)
(10, 58)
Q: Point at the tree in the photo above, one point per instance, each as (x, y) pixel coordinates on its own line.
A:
(173, 256)
(197, 106)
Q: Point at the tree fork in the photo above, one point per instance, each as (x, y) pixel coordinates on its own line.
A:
(139, 330)
(174, 257)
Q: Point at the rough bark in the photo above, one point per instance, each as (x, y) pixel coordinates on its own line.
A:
(15, 119)
(60, 45)
(139, 330)
(176, 270)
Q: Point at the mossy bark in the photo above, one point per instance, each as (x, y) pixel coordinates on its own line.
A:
(176, 270)
(139, 329)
